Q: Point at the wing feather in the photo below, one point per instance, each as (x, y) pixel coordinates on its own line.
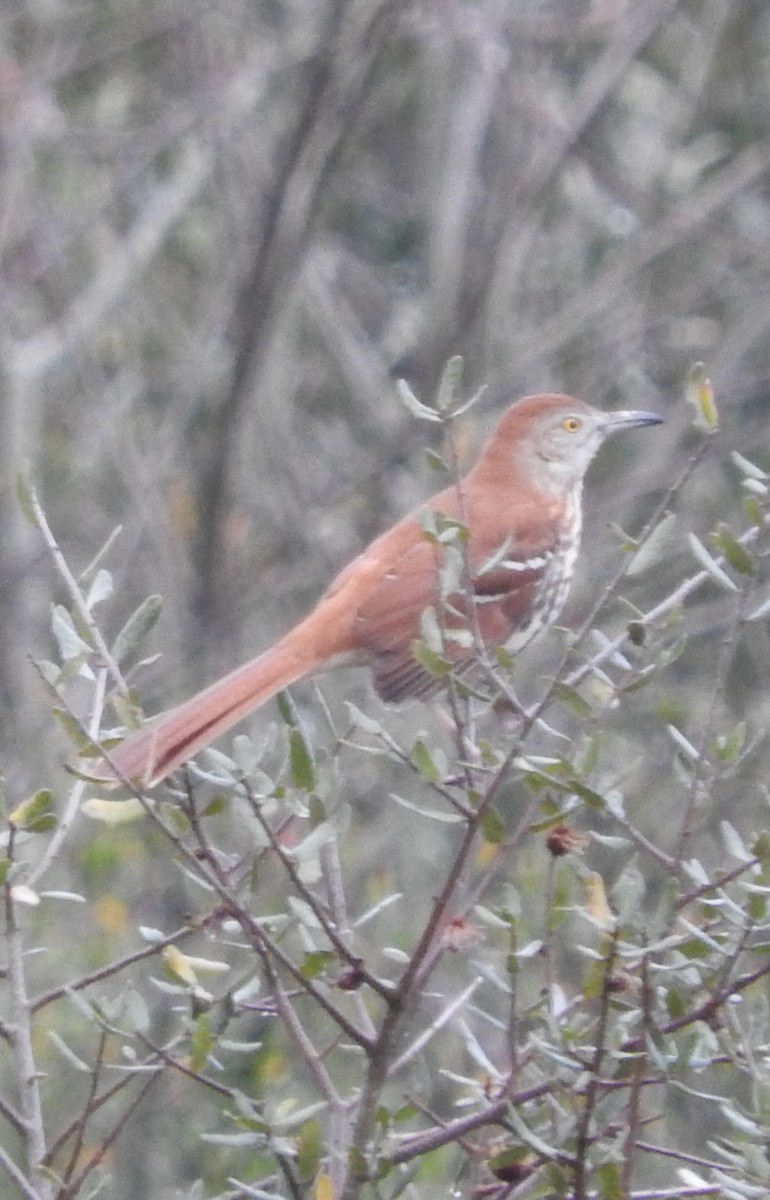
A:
(407, 581)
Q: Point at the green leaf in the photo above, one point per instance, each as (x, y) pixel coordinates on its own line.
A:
(512, 1165)
(504, 658)
(451, 531)
(128, 711)
(287, 709)
(594, 979)
(310, 1145)
(36, 814)
(173, 816)
(760, 847)
(572, 699)
(587, 755)
(215, 806)
(421, 757)
(436, 461)
(546, 823)
(700, 394)
(114, 812)
(315, 963)
(357, 1163)
(136, 628)
(610, 1181)
(587, 794)
(654, 548)
(728, 746)
(737, 556)
(382, 1117)
(692, 949)
(492, 826)
(645, 676)
(317, 812)
(435, 664)
(202, 1042)
(301, 763)
(561, 900)
(753, 510)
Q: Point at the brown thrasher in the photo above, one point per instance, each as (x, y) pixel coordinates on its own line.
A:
(521, 508)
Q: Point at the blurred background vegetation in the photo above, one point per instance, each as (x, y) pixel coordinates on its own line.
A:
(227, 226)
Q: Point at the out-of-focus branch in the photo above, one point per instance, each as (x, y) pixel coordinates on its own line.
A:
(334, 90)
(123, 266)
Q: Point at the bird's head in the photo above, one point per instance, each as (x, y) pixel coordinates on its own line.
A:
(553, 437)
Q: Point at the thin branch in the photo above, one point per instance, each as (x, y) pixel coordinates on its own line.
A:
(714, 885)
(319, 911)
(25, 1187)
(307, 1050)
(457, 1003)
(113, 968)
(705, 1011)
(22, 1041)
(701, 766)
(592, 1088)
(662, 609)
(75, 591)
(99, 1155)
(81, 1121)
(103, 1098)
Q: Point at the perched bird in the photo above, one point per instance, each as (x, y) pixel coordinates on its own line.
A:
(520, 508)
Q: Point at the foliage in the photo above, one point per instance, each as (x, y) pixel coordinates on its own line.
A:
(357, 944)
(546, 1010)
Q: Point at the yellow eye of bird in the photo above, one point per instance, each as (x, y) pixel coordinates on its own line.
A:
(571, 424)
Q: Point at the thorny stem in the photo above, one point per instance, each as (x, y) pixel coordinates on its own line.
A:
(98, 1102)
(662, 609)
(26, 1072)
(88, 1108)
(76, 1184)
(71, 811)
(727, 650)
(112, 968)
(592, 1090)
(704, 1011)
(75, 591)
(310, 899)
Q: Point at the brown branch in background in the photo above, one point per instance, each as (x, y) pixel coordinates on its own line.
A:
(336, 81)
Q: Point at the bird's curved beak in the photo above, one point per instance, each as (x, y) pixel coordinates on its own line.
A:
(628, 419)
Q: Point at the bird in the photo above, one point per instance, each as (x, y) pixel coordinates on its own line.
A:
(516, 521)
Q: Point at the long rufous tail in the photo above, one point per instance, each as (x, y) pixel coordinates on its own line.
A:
(165, 742)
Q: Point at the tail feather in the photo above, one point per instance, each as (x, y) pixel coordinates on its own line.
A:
(165, 742)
